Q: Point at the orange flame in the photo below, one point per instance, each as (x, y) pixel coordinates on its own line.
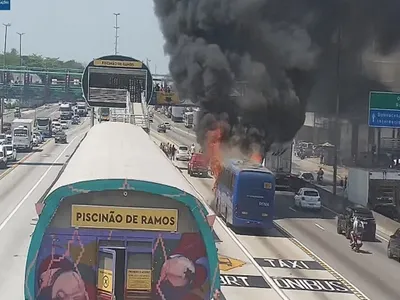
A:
(214, 153)
(256, 157)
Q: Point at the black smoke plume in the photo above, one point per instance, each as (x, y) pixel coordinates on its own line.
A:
(283, 53)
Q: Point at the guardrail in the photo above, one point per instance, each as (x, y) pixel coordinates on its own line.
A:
(338, 203)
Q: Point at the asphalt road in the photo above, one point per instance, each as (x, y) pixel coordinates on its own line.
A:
(370, 271)
(51, 111)
(20, 189)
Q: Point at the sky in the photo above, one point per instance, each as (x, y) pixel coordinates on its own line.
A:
(84, 29)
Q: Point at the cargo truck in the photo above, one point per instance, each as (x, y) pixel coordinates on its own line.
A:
(177, 114)
(279, 161)
(66, 111)
(22, 131)
(188, 119)
(375, 189)
(81, 109)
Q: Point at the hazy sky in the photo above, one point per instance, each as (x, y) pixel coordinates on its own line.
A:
(84, 29)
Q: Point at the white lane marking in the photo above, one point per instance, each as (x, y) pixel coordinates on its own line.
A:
(319, 259)
(319, 226)
(292, 209)
(14, 211)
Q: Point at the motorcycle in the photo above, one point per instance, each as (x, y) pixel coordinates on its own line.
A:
(357, 242)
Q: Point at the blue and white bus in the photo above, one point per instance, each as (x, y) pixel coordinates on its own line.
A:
(245, 195)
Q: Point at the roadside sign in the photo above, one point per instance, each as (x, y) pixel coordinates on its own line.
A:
(228, 263)
(107, 79)
(384, 110)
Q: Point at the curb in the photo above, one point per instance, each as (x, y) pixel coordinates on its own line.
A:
(22, 160)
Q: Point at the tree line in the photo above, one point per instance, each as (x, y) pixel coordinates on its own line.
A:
(38, 61)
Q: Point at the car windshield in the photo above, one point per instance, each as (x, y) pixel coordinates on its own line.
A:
(20, 132)
(364, 214)
(307, 176)
(311, 193)
(9, 148)
(183, 148)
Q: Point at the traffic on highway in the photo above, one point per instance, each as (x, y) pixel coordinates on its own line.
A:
(305, 251)
(247, 150)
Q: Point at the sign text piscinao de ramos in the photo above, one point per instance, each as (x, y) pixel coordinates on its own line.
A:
(111, 217)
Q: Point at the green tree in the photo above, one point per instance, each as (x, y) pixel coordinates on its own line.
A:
(38, 61)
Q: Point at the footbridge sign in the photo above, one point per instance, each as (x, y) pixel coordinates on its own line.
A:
(106, 81)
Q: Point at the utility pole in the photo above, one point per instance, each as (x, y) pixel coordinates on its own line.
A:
(116, 32)
(337, 111)
(5, 77)
(20, 47)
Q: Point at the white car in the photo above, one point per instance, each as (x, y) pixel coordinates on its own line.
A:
(39, 137)
(167, 125)
(35, 140)
(307, 176)
(182, 153)
(11, 152)
(308, 198)
(8, 139)
(64, 124)
(57, 126)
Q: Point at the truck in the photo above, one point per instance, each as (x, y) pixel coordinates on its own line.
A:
(188, 119)
(376, 189)
(279, 161)
(177, 114)
(66, 111)
(81, 109)
(22, 131)
(44, 126)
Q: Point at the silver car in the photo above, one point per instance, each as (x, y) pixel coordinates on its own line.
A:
(182, 153)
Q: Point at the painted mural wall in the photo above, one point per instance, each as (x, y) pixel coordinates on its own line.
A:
(66, 266)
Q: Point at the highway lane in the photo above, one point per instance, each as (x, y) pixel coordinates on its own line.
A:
(372, 272)
(50, 111)
(19, 191)
(289, 266)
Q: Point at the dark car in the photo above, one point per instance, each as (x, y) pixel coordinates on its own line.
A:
(345, 222)
(393, 249)
(60, 137)
(161, 128)
(198, 165)
(75, 120)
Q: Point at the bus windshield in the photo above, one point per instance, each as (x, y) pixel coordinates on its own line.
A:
(21, 132)
(42, 122)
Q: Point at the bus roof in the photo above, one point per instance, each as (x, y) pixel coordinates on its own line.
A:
(237, 166)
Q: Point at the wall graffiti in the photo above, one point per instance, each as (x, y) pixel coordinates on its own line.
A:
(67, 264)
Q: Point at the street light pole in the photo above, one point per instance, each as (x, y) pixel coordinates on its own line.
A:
(337, 127)
(20, 47)
(5, 83)
(116, 32)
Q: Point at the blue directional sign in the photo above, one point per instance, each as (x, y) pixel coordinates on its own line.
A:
(384, 110)
(384, 118)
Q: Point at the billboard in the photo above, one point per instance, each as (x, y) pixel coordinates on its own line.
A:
(107, 79)
(169, 99)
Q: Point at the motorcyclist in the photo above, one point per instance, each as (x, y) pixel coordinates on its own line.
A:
(358, 229)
